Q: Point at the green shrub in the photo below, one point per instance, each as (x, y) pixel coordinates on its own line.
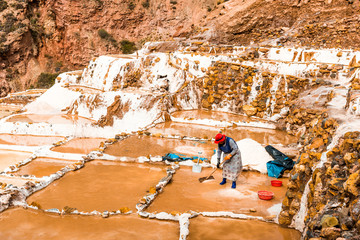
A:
(107, 36)
(4, 49)
(99, 3)
(131, 5)
(209, 9)
(103, 33)
(17, 6)
(46, 80)
(3, 5)
(2, 38)
(127, 46)
(173, 1)
(9, 25)
(146, 4)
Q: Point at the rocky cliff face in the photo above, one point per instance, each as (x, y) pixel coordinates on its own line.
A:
(55, 36)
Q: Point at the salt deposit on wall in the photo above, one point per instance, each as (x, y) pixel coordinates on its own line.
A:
(52, 101)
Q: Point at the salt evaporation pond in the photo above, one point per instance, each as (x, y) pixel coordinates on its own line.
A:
(7, 110)
(261, 135)
(19, 223)
(137, 146)
(8, 158)
(42, 166)
(101, 186)
(79, 145)
(28, 140)
(214, 115)
(51, 119)
(13, 181)
(230, 229)
(186, 193)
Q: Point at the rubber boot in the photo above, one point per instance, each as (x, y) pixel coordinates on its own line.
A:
(223, 181)
(233, 184)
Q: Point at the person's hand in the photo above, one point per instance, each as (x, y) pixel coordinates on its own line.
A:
(227, 158)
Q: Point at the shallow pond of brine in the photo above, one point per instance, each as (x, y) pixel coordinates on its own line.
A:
(101, 186)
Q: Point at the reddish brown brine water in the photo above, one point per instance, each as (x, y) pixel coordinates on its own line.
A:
(137, 146)
(41, 167)
(110, 185)
(230, 229)
(48, 118)
(8, 158)
(101, 186)
(261, 135)
(30, 224)
(28, 140)
(80, 145)
(186, 193)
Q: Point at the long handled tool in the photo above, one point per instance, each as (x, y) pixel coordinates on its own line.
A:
(202, 179)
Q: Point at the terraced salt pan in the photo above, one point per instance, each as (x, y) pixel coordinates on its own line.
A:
(185, 193)
(28, 140)
(49, 118)
(219, 118)
(8, 158)
(79, 145)
(41, 167)
(101, 186)
(18, 182)
(31, 224)
(142, 146)
(215, 115)
(7, 110)
(229, 229)
(263, 136)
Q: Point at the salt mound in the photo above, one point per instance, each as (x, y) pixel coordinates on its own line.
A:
(253, 155)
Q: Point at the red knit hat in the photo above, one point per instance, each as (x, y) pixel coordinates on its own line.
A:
(219, 138)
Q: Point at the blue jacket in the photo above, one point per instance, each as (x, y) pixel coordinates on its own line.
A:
(226, 147)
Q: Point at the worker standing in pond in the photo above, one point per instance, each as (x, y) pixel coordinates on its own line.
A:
(233, 165)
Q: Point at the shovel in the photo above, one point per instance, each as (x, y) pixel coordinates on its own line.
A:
(202, 179)
(197, 167)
